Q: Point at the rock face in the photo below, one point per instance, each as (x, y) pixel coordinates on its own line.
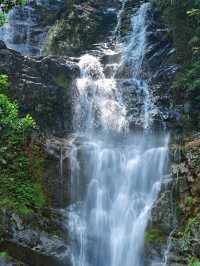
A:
(28, 25)
(56, 177)
(42, 87)
(80, 25)
(177, 209)
(38, 239)
(158, 71)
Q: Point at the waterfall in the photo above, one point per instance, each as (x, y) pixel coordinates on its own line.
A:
(16, 33)
(116, 173)
(24, 31)
(116, 169)
(133, 59)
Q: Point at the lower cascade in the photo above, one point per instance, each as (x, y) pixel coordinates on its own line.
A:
(116, 173)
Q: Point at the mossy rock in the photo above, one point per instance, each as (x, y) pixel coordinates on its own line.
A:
(154, 236)
(78, 28)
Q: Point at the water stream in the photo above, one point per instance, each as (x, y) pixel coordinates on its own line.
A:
(116, 173)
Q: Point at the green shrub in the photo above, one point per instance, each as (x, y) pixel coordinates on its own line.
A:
(154, 236)
(21, 159)
(5, 256)
(194, 262)
(2, 18)
(6, 5)
(4, 83)
(187, 83)
(187, 234)
(183, 19)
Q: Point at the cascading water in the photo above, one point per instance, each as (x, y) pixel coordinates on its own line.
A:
(23, 31)
(16, 33)
(116, 174)
(132, 61)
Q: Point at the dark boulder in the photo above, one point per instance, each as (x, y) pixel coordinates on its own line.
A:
(37, 240)
(2, 45)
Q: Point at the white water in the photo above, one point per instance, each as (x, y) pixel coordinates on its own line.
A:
(16, 33)
(133, 56)
(22, 31)
(116, 174)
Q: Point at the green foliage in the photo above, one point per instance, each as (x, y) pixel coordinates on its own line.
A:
(154, 236)
(187, 83)
(194, 12)
(190, 201)
(188, 228)
(183, 18)
(21, 160)
(4, 255)
(4, 83)
(187, 234)
(6, 5)
(194, 262)
(2, 17)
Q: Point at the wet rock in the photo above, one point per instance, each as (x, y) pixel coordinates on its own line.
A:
(57, 174)
(79, 26)
(34, 240)
(161, 223)
(42, 87)
(2, 45)
(158, 72)
(28, 38)
(176, 260)
(177, 209)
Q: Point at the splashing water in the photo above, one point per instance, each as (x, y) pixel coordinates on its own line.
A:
(99, 103)
(116, 174)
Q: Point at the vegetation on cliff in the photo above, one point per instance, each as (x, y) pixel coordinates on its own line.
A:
(183, 19)
(6, 5)
(20, 157)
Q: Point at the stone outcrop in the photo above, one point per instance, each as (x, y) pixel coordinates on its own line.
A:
(57, 173)
(176, 212)
(42, 88)
(38, 239)
(80, 25)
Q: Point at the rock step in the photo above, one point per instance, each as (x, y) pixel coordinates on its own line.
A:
(31, 78)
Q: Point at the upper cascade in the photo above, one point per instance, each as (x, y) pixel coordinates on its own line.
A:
(25, 30)
(99, 103)
(134, 52)
(131, 65)
(100, 99)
